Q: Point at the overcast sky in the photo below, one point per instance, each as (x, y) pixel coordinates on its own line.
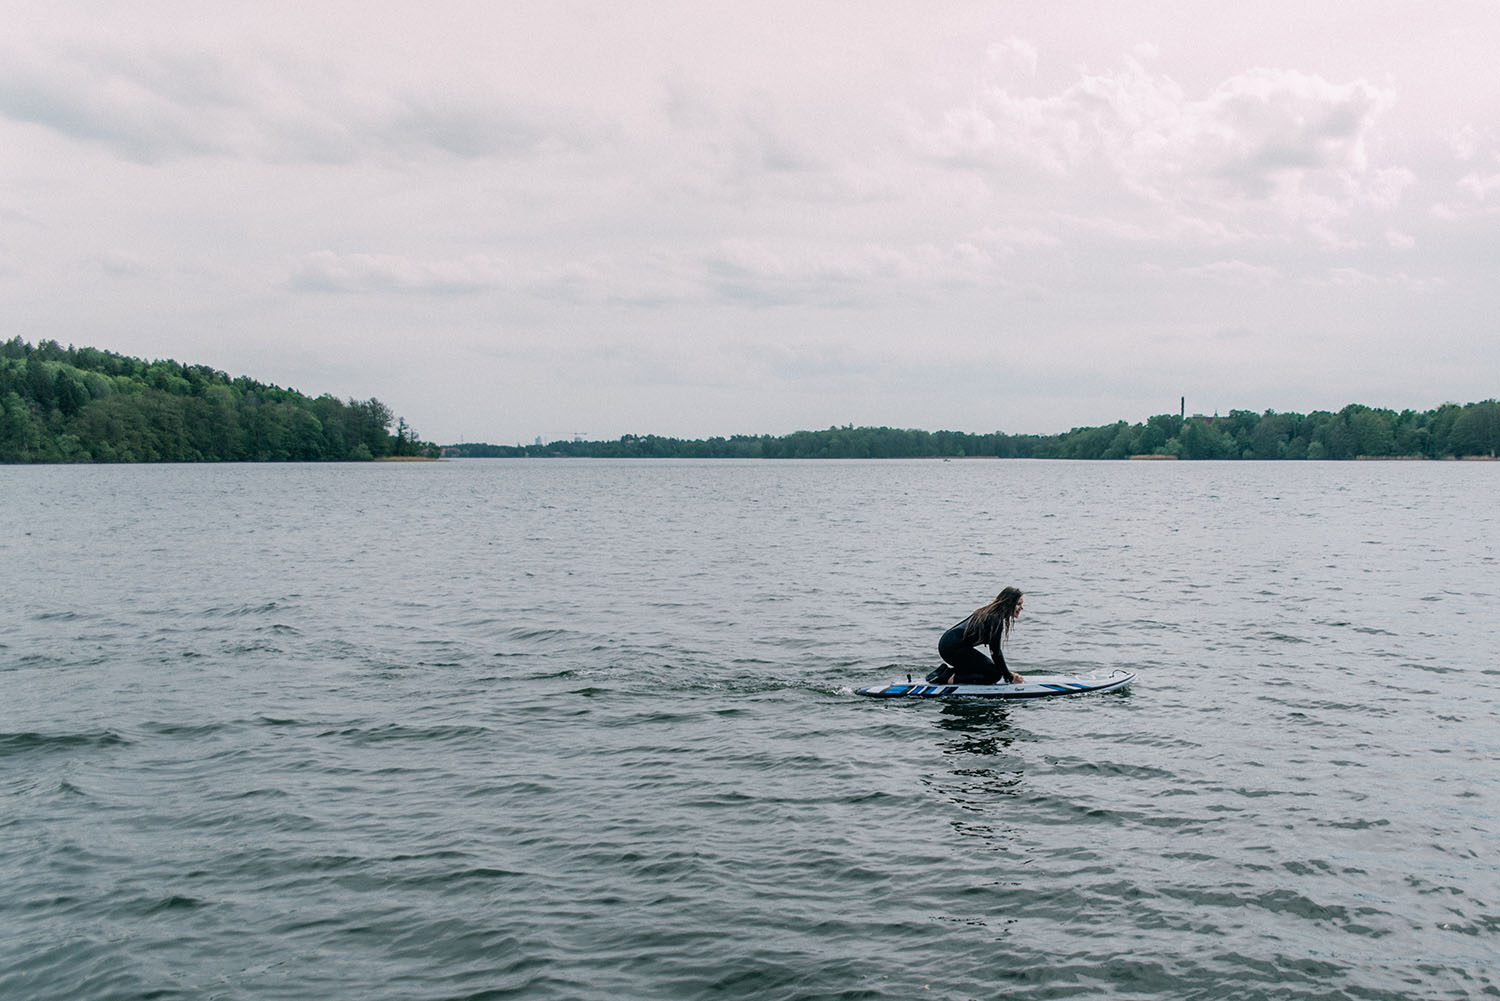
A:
(520, 219)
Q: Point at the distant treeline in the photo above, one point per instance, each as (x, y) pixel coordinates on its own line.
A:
(86, 405)
(1450, 431)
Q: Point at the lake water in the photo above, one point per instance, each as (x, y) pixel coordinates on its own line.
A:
(584, 729)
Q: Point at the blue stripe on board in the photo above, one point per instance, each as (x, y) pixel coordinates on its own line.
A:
(1044, 690)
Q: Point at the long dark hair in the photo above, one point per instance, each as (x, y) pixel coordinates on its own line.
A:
(992, 622)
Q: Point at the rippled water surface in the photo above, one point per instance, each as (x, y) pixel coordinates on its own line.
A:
(582, 730)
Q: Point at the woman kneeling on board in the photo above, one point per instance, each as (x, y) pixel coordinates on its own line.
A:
(987, 626)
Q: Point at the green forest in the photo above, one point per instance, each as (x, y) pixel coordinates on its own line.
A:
(1355, 432)
(86, 405)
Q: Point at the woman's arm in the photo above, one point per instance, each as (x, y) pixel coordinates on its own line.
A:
(999, 659)
(1006, 674)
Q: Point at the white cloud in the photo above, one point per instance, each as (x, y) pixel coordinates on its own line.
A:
(1292, 142)
(1349, 278)
(1013, 56)
(1357, 279)
(1480, 186)
(1464, 141)
(1016, 238)
(1233, 334)
(1235, 272)
(859, 274)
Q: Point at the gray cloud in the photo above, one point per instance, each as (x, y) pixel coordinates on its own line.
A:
(741, 273)
(1259, 127)
(719, 218)
(464, 129)
(163, 105)
(146, 109)
(325, 271)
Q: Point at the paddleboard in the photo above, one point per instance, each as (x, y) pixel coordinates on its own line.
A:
(1035, 687)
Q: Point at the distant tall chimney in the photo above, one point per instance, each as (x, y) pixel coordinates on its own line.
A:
(1183, 414)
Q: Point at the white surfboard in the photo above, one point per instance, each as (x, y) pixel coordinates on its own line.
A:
(1035, 687)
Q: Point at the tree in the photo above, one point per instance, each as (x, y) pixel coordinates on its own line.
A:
(1441, 426)
(39, 383)
(1334, 438)
(1476, 431)
(1272, 436)
(368, 421)
(1201, 440)
(69, 391)
(16, 435)
(1371, 432)
(305, 436)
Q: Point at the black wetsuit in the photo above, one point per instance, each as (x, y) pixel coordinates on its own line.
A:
(973, 667)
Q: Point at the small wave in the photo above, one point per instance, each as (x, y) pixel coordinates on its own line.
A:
(256, 647)
(172, 902)
(30, 741)
(1279, 901)
(1111, 768)
(1435, 668)
(1357, 824)
(183, 729)
(464, 877)
(236, 611)
(251, 795)
(1337, 711)
(533, 633)
(403, 732)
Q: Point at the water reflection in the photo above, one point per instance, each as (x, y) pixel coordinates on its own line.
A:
(984, 773)
(977, 726)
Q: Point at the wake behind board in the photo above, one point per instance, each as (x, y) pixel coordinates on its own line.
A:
(1038, 687)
